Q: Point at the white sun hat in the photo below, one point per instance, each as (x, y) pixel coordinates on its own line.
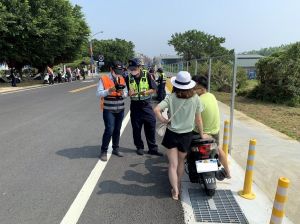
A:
(183, 80)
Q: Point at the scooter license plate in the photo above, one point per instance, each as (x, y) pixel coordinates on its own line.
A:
(207, 165)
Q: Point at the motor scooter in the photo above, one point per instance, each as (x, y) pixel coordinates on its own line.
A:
(202, 164)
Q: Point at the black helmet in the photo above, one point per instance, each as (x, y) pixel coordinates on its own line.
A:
(160, 70)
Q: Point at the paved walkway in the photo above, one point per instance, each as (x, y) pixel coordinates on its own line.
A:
(277, 155)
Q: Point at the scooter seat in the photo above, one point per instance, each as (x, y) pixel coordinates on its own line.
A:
(197, 140)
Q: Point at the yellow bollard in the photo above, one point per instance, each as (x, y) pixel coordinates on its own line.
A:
(169, 85)
(247, 191)
(279, 202)
(226, 137)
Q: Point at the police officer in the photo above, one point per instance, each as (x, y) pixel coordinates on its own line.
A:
(112, 90)
(161, 80)
(141, 86)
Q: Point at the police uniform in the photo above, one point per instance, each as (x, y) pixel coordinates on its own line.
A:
(142, 112)
(161, 86)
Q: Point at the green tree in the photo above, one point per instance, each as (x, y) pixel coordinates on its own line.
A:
(43, 32)
(269, 50)
(195, 44)
(112, 50)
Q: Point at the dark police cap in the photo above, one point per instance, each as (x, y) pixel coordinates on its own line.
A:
(116, 65)
(135, 62)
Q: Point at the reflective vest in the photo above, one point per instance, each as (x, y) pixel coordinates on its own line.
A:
(164, 77)
(114, 101)
(142, 86)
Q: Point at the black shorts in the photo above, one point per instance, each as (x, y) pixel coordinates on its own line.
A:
(180, 141)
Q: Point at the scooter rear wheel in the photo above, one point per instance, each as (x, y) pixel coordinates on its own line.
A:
(210, 192)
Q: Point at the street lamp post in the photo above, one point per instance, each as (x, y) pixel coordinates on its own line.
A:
(91, 51)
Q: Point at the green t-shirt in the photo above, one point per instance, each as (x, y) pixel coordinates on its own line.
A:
(184, 119)
(210, 114)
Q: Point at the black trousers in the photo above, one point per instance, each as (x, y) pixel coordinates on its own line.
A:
(161, 93)
(141, 114)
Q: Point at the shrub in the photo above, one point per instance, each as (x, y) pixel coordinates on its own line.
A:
(279, 77)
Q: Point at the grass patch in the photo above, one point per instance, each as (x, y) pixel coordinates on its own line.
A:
(282, 118)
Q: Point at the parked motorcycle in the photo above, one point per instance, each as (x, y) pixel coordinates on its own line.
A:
(202, 164)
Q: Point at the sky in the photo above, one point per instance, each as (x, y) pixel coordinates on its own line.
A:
(149, 24)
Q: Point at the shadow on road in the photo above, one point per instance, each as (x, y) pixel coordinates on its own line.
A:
(82, 152)
(152, 181)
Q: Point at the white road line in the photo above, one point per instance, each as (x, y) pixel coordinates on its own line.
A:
(22, 90)
(78, 205)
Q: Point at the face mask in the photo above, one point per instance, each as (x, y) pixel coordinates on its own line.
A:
(118, 71)
(135, 72)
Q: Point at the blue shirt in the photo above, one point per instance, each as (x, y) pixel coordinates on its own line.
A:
(101, 92)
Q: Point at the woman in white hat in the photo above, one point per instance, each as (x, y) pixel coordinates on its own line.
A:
(184, 109)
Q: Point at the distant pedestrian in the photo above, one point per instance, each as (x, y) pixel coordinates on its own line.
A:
(69, 74)
(13, 78)
(82, 73)
(77, 73)
(59, 76)
(112, 90)
(50, 75)
(186, 107)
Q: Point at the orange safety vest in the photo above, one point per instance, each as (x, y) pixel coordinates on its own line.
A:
(114, 101)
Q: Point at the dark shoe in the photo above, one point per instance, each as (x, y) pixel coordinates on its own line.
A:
(222, 174)
(117, 153)
(103, 156)
(155, 153)
(140, 152)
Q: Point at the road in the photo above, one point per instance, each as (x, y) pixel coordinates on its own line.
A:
(50, 141)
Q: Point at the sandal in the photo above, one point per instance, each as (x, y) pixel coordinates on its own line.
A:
(174, 195)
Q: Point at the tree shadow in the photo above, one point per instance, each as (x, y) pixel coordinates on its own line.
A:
(156, 180)
(81, 152)
(86, 152)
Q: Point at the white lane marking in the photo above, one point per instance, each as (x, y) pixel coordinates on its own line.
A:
(73, 214)
(31, 88)
(88, 81)
(22, 90)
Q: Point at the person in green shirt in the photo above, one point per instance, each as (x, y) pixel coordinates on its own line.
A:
(184, 109)
(210, 116)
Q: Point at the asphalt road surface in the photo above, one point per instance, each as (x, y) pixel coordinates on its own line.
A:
(49, 144)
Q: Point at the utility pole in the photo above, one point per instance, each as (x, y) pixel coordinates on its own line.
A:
(209, 75)
(91, 51)
(232, 102)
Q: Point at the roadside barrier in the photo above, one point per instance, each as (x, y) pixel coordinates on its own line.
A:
(280, 200)
(247, 191)
(226, 137)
